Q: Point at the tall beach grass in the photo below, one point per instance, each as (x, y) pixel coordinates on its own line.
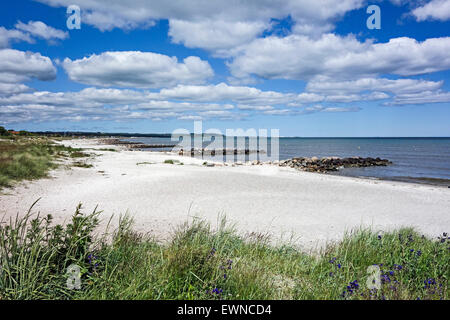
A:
(28, 158)
(201, 262)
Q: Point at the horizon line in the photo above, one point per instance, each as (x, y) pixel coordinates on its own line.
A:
(131, 134)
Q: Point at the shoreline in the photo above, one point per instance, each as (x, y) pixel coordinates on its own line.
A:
(277, 201)
(428, 181)
(431, 181)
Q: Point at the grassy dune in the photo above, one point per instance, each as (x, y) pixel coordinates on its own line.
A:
(205, 263)
(28, 158)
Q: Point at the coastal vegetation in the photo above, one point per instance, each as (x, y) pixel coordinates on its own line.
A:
(145, 162)
(80, 164)
(202, 262)
(170, 161)
(25, 157)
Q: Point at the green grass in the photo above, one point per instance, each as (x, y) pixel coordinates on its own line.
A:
(200, 262)
(80, 164)
(170, 161)
(78, 154)
(145, 162)
(28, 158)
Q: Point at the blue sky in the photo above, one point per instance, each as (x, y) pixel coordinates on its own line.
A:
(306, 68)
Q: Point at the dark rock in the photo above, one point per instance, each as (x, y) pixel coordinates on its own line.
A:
(331, 164)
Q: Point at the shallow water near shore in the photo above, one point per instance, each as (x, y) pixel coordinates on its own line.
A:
(418, 160)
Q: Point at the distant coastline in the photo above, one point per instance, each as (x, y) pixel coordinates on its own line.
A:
(168, 135)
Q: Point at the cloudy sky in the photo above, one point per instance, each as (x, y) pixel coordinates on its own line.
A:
(308, 68)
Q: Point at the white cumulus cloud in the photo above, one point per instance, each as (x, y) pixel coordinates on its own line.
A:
(433, 10)
(303, 58)
(396, 86)
(421, 98)
(137, 69)
(26, 64)
(41, 30)
(224, 92)
(19, 66)
(6, 36)
(214, 25)
(218, 36)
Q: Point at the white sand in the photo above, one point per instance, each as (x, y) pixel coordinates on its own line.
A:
(279, 201)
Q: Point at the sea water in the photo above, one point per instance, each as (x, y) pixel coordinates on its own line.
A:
(424, 160)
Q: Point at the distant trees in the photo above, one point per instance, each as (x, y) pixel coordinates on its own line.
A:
(25, 133)
(4, 132)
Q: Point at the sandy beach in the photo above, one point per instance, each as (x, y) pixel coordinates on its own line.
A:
(314, 208)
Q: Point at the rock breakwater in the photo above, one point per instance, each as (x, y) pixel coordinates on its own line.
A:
(330, 164)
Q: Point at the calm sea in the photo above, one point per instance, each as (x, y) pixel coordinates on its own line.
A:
(424, 160)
